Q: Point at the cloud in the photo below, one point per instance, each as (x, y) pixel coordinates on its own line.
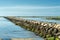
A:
(30, 7)
(30, 10)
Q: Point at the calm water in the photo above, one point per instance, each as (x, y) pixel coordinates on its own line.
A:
(45, 20)
(9, 30)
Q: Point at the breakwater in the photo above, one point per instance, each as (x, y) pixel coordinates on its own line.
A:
(49, 31)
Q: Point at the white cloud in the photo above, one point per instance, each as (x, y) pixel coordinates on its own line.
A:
(30, 7)
(29, 10)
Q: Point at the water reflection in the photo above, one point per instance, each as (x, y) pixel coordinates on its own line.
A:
(9, 30)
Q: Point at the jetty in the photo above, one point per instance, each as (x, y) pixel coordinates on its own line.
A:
(47, 30)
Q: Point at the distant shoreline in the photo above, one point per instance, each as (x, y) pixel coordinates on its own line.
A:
(45, 17)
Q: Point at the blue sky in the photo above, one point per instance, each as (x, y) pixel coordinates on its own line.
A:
(29, 7)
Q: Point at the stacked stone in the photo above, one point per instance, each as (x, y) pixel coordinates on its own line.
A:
(44, 29)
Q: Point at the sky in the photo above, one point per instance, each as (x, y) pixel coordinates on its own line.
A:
(29, 7)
